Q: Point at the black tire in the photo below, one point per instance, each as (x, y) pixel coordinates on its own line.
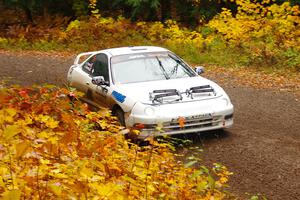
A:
(89, 95)
(120, 115)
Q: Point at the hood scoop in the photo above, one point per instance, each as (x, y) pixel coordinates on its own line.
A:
(173, 95)
(165, 96)
(199, 91)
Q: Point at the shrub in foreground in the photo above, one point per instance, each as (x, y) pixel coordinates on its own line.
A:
(51, 147)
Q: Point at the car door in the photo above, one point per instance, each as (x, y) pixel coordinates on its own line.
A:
(82, 76)
(101, 68)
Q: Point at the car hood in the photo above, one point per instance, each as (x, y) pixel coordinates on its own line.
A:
(141, 91)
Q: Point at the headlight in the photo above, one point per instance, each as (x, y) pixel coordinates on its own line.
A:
(149, 111)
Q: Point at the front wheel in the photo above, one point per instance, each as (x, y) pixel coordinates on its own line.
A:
(119, 113)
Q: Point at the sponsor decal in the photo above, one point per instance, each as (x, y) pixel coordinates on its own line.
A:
(194, 117)
(118, 96)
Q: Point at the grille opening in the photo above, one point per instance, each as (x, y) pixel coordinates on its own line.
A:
(228, 116)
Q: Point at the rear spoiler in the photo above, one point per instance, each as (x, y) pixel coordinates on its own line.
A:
(88, 54)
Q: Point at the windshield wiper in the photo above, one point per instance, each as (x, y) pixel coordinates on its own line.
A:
(175, 68)
(174, 58)
(162, 68)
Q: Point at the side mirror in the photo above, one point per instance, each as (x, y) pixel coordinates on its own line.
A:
(199, 70)
(99, 80)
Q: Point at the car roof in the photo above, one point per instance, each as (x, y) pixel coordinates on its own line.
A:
(133, 49)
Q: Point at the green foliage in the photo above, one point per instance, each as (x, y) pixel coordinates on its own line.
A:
(291, 57)
(80, 7)
(73, 25)
(55, 148)
(147, 9)
(257, 197)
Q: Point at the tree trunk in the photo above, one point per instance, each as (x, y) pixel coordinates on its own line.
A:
(165, 9)
(28, 14)
(45, 9)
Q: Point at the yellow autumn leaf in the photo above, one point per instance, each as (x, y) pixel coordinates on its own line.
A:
(56, 188)
(3, 170)
(102, 189)
(136, 132)
(59, 175)
(48, 121)
(86, 172)
(12, 195)
(108, 190)
(51, 123)
(223, 179)
(8, 114)
(21, 148)
(43, 135)
(11, 130)
(53, 139)
(151, 188)
(97, 178)
(2, 184)
(24, 122)
(44, 161)
(11, 112)
(98, 164)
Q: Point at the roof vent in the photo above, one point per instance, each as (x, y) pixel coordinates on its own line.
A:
(138, 49)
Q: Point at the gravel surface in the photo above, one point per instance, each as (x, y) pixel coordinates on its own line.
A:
(262, 149)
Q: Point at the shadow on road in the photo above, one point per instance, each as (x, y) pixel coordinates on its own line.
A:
(193, 139)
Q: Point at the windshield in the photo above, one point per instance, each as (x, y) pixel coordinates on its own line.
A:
(148, 67)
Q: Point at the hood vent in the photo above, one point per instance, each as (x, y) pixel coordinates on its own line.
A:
(200, 91)
(168, 96)
(173, 95)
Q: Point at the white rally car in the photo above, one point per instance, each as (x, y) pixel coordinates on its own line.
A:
(148, 87)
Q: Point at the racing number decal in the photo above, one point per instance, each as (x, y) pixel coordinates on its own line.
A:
(118, 96)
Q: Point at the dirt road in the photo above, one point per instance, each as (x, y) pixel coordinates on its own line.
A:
(262, 149)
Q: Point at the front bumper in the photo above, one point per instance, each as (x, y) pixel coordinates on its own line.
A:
(197, 116)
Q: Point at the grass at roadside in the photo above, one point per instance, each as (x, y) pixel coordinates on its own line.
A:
(214, 56)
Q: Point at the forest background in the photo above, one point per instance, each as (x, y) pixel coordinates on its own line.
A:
(257, 33)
